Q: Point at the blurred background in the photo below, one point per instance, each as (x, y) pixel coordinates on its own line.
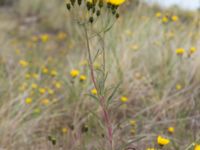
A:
(47, 99)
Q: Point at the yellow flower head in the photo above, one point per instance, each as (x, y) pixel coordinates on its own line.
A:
(171, 130)
(83, 78)
(180, 51)
(61, 36)
(34, 86)
(193, 50)
(116, 2)
(132, 122)
(158, 14)
(44, 38)
(175, 18)
(50, 91)
(28, 100)
(150, 148)
(178, 87)
(197, 147)
(64, 130)
(45, 70)
(57, 85)
(42, 90)
(162, 141)
(45, 101)
(74, 73)
(124, 99)
(54, 73)
(23, 63)
(165, 19)
(94, 91)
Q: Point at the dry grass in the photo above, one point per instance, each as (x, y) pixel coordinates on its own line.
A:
(162, 87)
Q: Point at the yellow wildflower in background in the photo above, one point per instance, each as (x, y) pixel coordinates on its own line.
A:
(61, 36)
(54, 73)
(180, 51)
(74, 73)
(57, 85)
(124, 99)
(179, 86)
(28, 100)
(34, 86)
(158, 14)
(165, 19)
(162, 141)
(50, 91)
(64, 130)
(45, 101)
(23, 63)
(116, 2)
(150, 148)
(197, 147)
(35, 76)
(192, 50)
(94, 91)
(45, 70)
(83, 78)
(175, 18)
(171, 130)
(27, 76)
(44, 38)
(132, 122)
(42, 90)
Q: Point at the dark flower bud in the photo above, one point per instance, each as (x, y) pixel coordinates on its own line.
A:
(79, 2)
(93, 10)
(68, 6)
(91, 19)
(89, 5)
(117, 15)
(100, 4)
(98, 13)
(72, 2)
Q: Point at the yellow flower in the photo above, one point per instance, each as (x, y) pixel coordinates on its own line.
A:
(42, 90)
(34, 86)
(74, 73)
(83, 78)
(180, 51)
(171, 130)
(45, 70)
(158, 14)
(64, 130)
(34, 38)
(61, 36)
(44, 38)
(57, 85)
(175, 18)
(27, 76)
(115, 2)
(132, 122)
(54, 73)
(94, 91)
(50, 91)
(197, 147)
(35, 76)
(37, 110)
(193, 50)
(162, 141)
(23, 87)
(178, 86)
(45, 101)
(28, 100)
(165, 19)
(124, 99)
(150, 148)
(23, 63)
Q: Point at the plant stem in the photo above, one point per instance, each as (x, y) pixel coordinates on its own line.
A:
(100, 97)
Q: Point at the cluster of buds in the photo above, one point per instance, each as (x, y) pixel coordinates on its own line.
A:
(96, 7)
